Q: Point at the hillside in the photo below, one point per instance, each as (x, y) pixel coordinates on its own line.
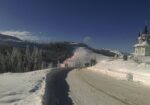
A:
(21, 56)
(9, 38)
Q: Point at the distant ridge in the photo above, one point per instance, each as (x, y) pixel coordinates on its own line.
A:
(9, 38)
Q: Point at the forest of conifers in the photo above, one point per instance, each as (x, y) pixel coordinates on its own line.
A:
(32, 56)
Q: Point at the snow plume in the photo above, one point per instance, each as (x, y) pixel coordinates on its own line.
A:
(27, 35)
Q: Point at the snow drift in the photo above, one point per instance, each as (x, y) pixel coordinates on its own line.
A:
(22, 88)
(122, 69)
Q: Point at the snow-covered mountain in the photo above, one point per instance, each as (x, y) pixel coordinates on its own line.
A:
(9, 38)
(103, 51)
(15, 41)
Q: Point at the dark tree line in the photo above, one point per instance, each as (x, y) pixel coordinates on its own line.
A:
(29, 58)
(19, 61)
(104, 52)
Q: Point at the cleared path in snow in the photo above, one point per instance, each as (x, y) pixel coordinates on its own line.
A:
(57, 88)
(92, 88)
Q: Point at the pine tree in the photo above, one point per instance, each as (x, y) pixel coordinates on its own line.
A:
(27, 59)
(2, 63)
(37, 58)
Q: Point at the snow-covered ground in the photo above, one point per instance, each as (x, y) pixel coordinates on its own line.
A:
(120, 69)
(22, 88)
(117, 68)
(91, 88)
(87, 87)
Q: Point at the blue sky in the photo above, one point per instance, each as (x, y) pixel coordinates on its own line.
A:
(110, 24)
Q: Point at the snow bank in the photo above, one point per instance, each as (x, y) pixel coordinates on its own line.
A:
(22, 88)
(144, 59)
(122, 69)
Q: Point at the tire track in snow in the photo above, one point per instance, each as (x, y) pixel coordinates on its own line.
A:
(102, 91)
